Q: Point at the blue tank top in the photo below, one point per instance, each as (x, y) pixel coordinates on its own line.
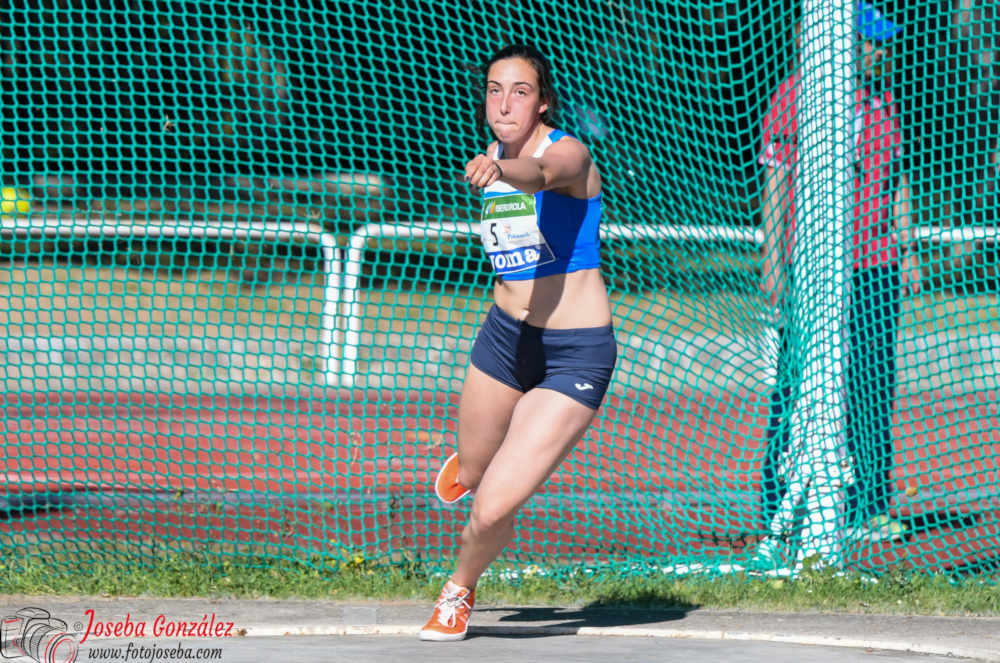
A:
(528, 236)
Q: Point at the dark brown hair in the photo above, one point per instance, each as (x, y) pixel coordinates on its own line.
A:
(546, 80)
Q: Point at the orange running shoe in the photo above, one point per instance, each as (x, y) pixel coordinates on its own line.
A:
(446, 486)
(450, 620)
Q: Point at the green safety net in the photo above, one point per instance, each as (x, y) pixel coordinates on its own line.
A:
(240, 284)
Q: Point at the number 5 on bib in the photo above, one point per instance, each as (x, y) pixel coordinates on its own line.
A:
(510, 234)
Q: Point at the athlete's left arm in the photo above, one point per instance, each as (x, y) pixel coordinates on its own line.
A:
(909, 268)
(902, 212)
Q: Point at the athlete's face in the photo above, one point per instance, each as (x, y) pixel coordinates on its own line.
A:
(513, 101)
(870, 59)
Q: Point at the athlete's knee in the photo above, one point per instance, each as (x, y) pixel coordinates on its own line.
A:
(490, 518)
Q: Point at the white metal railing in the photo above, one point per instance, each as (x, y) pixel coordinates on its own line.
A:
(342, 274)
(49, 227)
(350, 307)
(342, 371)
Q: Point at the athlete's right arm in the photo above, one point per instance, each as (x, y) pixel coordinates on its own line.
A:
(777, 154)
(772, 221)
(563, 164)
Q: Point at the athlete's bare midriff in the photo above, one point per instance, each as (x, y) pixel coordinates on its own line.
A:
(561, 301)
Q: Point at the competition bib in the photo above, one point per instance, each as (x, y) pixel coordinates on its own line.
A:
(510, 234)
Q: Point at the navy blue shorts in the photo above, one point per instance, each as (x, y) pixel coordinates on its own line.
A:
(575, 362)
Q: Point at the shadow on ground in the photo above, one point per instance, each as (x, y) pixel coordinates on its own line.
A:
(522, 622)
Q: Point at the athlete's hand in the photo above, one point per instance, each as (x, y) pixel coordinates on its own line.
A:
(772, 288)
(909, 274)
(482, 171)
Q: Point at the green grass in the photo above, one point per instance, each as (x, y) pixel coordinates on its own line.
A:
(188, 575)
(70, 300)
(60, 300)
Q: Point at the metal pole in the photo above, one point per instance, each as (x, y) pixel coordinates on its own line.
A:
(330, 338)
(824, 196)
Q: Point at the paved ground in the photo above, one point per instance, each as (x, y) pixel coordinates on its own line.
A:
(489, 649)
(332, 631)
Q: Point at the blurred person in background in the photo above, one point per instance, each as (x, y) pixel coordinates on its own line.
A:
(883, 267)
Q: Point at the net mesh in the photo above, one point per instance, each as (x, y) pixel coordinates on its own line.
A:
(240, 285)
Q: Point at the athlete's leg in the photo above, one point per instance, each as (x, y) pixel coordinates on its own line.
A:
(778, 435)
(871, 386)
(858, 413)
(544, 428)
(484, 413)
(884, 316)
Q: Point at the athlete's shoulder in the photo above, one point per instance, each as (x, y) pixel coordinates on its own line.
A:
(560, 141)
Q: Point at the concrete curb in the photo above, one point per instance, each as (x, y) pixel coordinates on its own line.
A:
(906, 646)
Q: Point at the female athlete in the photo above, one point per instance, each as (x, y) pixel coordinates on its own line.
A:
(544, 355)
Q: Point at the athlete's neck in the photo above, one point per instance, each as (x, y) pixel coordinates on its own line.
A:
(525, 147)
